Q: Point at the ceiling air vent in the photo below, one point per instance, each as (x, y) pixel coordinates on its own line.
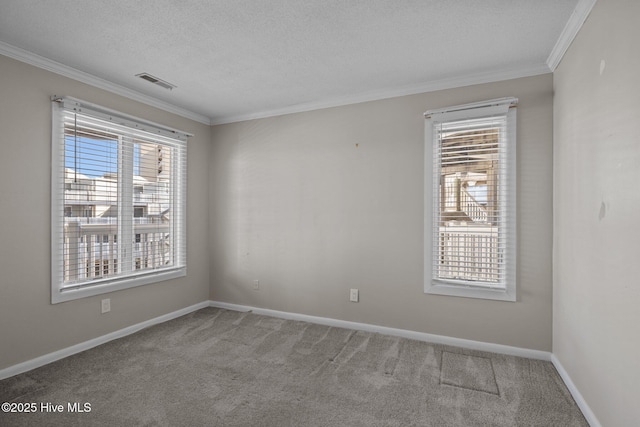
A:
(156, 81)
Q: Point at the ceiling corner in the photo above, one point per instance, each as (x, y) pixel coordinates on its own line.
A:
(570, 31)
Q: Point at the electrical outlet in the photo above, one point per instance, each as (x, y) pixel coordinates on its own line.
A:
(256, 285)
(106, 305)
(354, 295)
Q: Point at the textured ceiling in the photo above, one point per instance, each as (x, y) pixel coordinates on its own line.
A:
(235, 59)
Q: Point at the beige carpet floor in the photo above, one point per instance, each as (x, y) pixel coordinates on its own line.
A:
(217, 367)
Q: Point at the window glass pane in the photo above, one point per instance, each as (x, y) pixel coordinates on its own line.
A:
(90, 201)
(469, 242)
(152, 181)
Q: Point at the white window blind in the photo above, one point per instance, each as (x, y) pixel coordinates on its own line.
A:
(470, 232)
(118, 201)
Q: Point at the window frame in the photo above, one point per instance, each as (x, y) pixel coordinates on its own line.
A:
(61, 291)
(463, 288)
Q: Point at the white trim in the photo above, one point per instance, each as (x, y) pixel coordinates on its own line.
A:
(448, 83)
(119, 118)
(473, 109)
(570, 31)
(577, 396)
(64, 70)
(57, 188)
(86, 345)
(403, 333)
(505, 289)
(89, 289)
(126, 127)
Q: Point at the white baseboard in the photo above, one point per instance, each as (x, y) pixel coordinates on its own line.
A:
(418, 336)
(577, 396)
(65, 352)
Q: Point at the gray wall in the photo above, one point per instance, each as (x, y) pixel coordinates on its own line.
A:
(315, 203)
(596, 309)
(29, 325)
(310, 204)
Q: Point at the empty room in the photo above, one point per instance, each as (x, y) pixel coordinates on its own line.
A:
(320, 213)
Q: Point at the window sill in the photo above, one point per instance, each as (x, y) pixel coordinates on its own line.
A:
(442, 288)
(87, 290)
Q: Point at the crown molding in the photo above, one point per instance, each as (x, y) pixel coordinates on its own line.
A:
(66, 71)
(570, 31)
(448, 83)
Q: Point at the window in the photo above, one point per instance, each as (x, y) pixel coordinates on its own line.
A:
(470, 200)
(118, 201)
